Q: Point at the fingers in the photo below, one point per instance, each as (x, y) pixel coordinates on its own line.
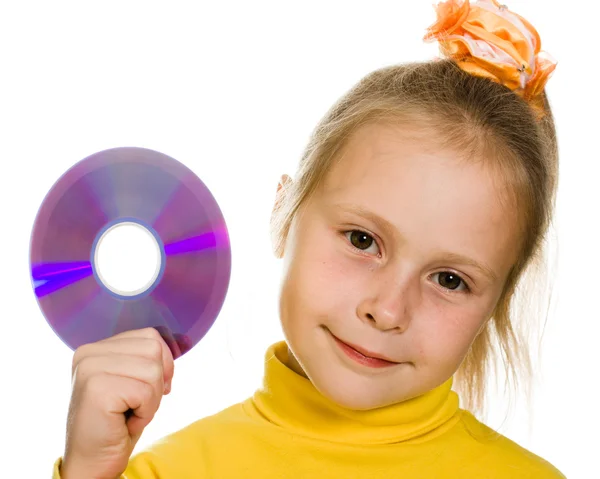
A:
(140, 368)
(146, 343)
(133, 394)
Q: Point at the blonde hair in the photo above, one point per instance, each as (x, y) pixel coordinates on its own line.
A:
(481, 119)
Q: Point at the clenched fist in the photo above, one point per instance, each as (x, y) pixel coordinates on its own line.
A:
(118, 384)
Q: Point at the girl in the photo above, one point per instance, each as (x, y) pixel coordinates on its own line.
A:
(423, 197)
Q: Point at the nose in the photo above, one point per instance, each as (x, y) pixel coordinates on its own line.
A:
(386, 307)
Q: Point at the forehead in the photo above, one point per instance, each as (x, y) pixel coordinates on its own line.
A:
(426, 191)
(389, 157)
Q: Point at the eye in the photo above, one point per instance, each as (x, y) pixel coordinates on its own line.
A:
(361, 240)
(451, 281)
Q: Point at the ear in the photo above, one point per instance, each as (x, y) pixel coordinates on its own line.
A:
(282, 190)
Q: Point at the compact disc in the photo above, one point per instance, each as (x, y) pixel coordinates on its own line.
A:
(178, 255)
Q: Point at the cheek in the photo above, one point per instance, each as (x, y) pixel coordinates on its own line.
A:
(328, 274)
(446, 340)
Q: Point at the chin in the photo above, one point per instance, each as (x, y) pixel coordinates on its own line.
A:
(354, 391)
(351, 387)
(350, 393)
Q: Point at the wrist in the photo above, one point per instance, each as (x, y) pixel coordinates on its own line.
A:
(70, 468)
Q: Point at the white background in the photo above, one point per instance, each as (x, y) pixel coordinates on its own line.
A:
(233, 90)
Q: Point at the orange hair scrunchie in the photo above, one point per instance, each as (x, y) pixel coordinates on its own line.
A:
(488, 40)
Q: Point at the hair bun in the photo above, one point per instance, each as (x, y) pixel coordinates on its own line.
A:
(486, 39)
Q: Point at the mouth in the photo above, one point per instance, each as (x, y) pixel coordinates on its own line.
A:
(362, 356)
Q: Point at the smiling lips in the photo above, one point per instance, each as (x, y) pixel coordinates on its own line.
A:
(364, 357)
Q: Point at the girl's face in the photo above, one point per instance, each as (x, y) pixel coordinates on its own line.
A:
(402, 253)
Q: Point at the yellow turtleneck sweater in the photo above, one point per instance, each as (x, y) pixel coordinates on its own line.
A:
(287, 429)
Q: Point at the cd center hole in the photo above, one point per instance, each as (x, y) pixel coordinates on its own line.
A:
(127, 259)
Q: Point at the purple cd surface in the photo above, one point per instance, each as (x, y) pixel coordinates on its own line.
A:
(168, 201)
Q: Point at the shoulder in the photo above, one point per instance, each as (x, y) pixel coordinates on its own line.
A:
(194, 447)
(504, 454)
(214, 429)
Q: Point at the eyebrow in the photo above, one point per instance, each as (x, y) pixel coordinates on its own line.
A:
(391, 230)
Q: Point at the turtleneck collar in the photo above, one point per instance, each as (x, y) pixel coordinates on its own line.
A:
(290, 401)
